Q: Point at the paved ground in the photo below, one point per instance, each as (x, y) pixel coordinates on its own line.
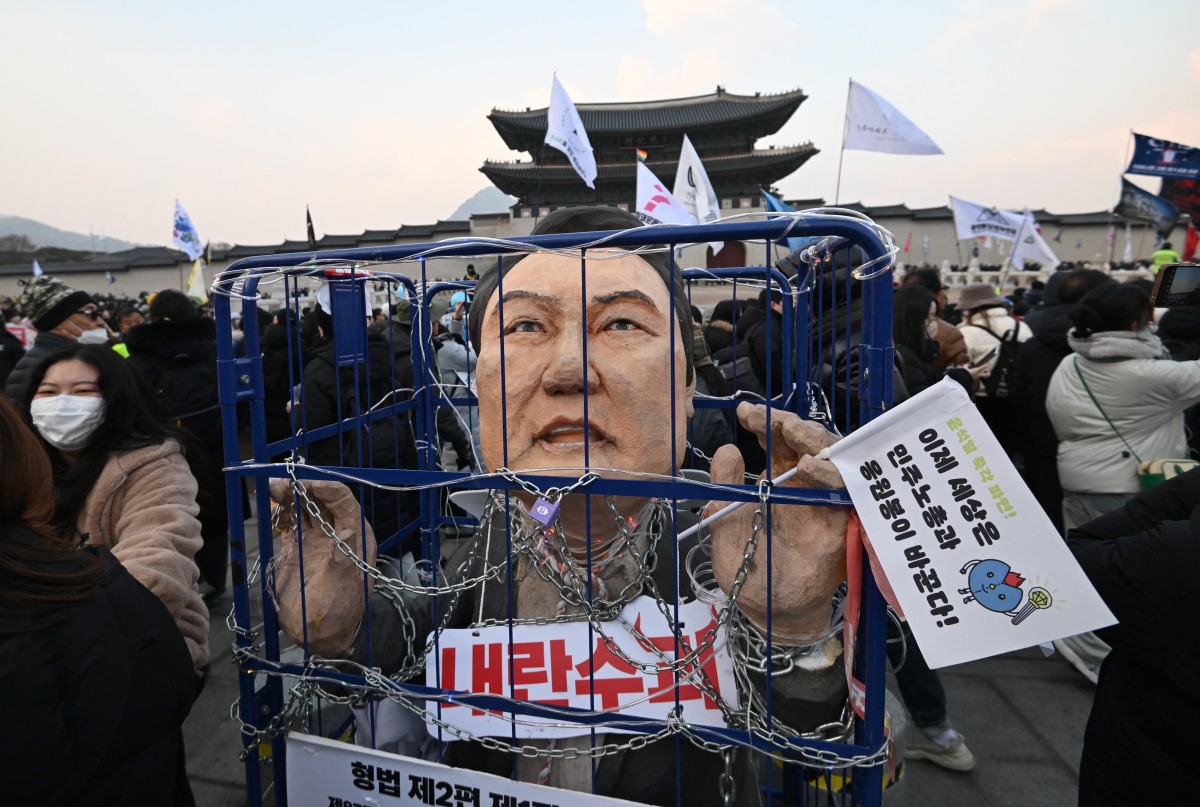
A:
(1022, 714)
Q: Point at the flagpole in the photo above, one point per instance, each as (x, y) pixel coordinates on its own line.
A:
(1112, 213)
(837, 193)
(537, 197)
(1008, 261)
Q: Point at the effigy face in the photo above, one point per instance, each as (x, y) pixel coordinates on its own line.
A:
(631, 390)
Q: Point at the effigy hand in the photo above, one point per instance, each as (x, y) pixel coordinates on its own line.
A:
(322, 606)
(808, 551)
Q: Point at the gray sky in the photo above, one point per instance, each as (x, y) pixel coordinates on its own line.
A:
(374, 113)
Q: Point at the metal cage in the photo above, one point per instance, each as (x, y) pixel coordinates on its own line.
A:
(835, 359)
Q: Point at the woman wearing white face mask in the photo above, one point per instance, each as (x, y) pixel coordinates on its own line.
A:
(121, 477)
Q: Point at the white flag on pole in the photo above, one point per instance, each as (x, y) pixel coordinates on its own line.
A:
(655, 204)
(564, 131)
(197, 289)
(872, 124)
(37, 268)
(976, 221)
(184, 234)
(695, 192)
(1032, 246)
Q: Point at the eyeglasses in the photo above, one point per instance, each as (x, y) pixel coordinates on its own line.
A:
(94, 313)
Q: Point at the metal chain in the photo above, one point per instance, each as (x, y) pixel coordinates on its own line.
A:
(311, 684)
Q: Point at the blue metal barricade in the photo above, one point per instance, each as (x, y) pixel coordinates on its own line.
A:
(373, 418)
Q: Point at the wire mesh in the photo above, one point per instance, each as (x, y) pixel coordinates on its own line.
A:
(424, 549)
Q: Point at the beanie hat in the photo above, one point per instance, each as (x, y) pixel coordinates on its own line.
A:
(47, 301)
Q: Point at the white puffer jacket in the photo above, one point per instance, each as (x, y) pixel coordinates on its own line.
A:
(980, 342)
(1142, 394)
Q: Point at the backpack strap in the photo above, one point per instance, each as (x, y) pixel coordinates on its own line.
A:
(1108, 420)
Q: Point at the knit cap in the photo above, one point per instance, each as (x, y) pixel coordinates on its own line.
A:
(47, 301)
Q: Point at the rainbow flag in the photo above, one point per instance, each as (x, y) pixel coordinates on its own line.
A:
(642, 154)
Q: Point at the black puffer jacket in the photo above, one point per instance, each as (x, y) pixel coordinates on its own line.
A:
(179, 359)
(283, 368)
(93, 710)
(331, 393)
(1143, 559)
(45, 344)
(11, 352)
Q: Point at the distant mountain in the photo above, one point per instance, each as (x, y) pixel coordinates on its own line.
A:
(43, 235)
(489, 200)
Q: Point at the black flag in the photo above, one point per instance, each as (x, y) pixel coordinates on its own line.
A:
(312, 236)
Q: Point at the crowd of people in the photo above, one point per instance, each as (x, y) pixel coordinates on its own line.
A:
(115, 527)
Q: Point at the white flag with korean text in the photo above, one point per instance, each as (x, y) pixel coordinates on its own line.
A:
(973, 220)
(695, 192)
(655, 204)
(872, 124)
(564, 131)
(972, 559)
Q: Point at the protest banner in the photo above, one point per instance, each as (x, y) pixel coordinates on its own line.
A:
(326, 773)
(558, 664)
(976, 566)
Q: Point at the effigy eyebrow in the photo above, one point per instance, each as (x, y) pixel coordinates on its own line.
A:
(631, 294)
(523, 294)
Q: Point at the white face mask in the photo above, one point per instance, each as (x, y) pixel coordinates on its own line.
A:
(96, 336)
(67, 421)
(931, 329)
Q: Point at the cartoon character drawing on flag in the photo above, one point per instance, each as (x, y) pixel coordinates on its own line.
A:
(184, 235)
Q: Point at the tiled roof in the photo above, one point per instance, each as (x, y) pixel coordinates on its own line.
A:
(716, 109)
(337, 241)
(293, 246)
(664, 169)
(461, 226)
(377, 237)
(415, 231)
(246, 251)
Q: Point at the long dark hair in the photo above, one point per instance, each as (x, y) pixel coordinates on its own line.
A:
(133, 419)
(1111, 307)
(910, 309)
(41, 575)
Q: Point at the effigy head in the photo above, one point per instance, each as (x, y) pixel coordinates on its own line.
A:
(539, 350)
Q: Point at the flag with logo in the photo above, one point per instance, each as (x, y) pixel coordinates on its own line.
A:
(197, 289)
(655, 204)
(1032, 246)
(1162, 158)
(564, 131)
(184, 234)
(312, 235)
(37, 268)
(1141, 205)
(973, 220)
(873, 124)
(694, 191)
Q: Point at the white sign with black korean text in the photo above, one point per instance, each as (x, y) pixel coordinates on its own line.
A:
(974, 562)
(565, 664)
(325, 773)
